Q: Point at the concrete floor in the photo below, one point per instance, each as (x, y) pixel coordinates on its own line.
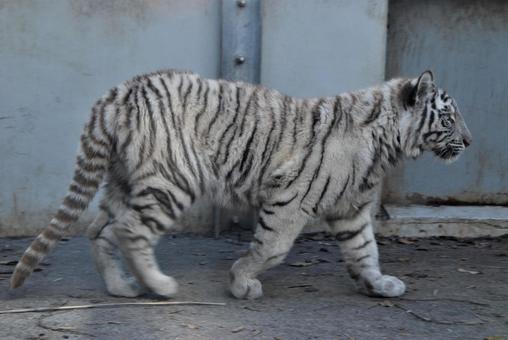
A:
(456, 290)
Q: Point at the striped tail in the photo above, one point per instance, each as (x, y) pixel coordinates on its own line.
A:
(92, 162)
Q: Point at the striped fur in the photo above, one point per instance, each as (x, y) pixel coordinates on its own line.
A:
(162, 140)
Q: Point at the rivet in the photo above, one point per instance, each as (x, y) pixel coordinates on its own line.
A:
(241, 3)
(239, 59)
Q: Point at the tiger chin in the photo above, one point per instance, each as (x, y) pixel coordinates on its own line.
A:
(160, 141)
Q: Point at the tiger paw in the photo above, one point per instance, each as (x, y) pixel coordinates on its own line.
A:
(385, 286)
(249, 289)
(124, 287)
(164, 286)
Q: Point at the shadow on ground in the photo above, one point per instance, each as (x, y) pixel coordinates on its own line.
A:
(457, 289)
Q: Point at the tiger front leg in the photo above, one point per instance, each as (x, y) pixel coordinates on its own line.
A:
(276, 231)
(358, 246)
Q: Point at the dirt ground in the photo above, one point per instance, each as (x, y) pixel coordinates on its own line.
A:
(457, 289)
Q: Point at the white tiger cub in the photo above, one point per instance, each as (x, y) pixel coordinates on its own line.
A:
(161, 140)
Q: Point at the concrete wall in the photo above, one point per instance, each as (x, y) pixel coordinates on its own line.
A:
(465, 44)
(56, 58)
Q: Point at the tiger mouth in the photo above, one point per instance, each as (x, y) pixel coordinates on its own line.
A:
(450, 152)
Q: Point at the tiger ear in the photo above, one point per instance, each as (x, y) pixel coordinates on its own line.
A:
(424, 86)
(417, 90)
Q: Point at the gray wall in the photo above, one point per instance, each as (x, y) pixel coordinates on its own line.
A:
(56, 58)
(465, 43)
(322, 47)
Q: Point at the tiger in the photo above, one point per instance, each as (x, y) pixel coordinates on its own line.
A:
(160, 141)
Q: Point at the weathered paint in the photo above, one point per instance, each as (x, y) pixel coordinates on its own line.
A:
(465, 44)
(56, 58)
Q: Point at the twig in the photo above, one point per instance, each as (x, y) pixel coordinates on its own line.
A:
(110, 305)
(441, 322)
(448, 299)
(300, 286)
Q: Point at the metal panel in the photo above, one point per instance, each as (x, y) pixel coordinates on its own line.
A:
(320, 47)
(57, 57)
(464, 43)
(240, 54)
(241, 30)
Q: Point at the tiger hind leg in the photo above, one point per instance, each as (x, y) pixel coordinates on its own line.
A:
(137, 242)
(104, 250)
(152, 212)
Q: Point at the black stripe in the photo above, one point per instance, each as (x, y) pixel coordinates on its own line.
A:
(198, 165)
(78, 190)
(264, 159)
(323, 192)
(246, 111)
(184, 187)
(138, 110)
(141, 154)
(186, 95)
(202, 111)
(89, 152)
(316, 118)
(170, 102)
(363, 245)
(337, 109)
(284, 122)
(342, 236)
(353, 173)
(431, 119)
(297, 112)
(249, 141)
(323, 150)
(73, 203)
(256, 240)
(170, 162)
(342, 191)
(366, 184)
(218, 109)
(263, 225)
(162, 198)
(283, 203)
(376, 109)
(152, 132)
(186, 155)
(247, 150)
(224, 133)
(231, 138)
(420, 126)
(179, 87)
(362, 258)
(89, 166)
(85, 182)
(267, 212)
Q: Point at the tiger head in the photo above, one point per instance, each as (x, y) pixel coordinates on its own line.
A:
(431, 120)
